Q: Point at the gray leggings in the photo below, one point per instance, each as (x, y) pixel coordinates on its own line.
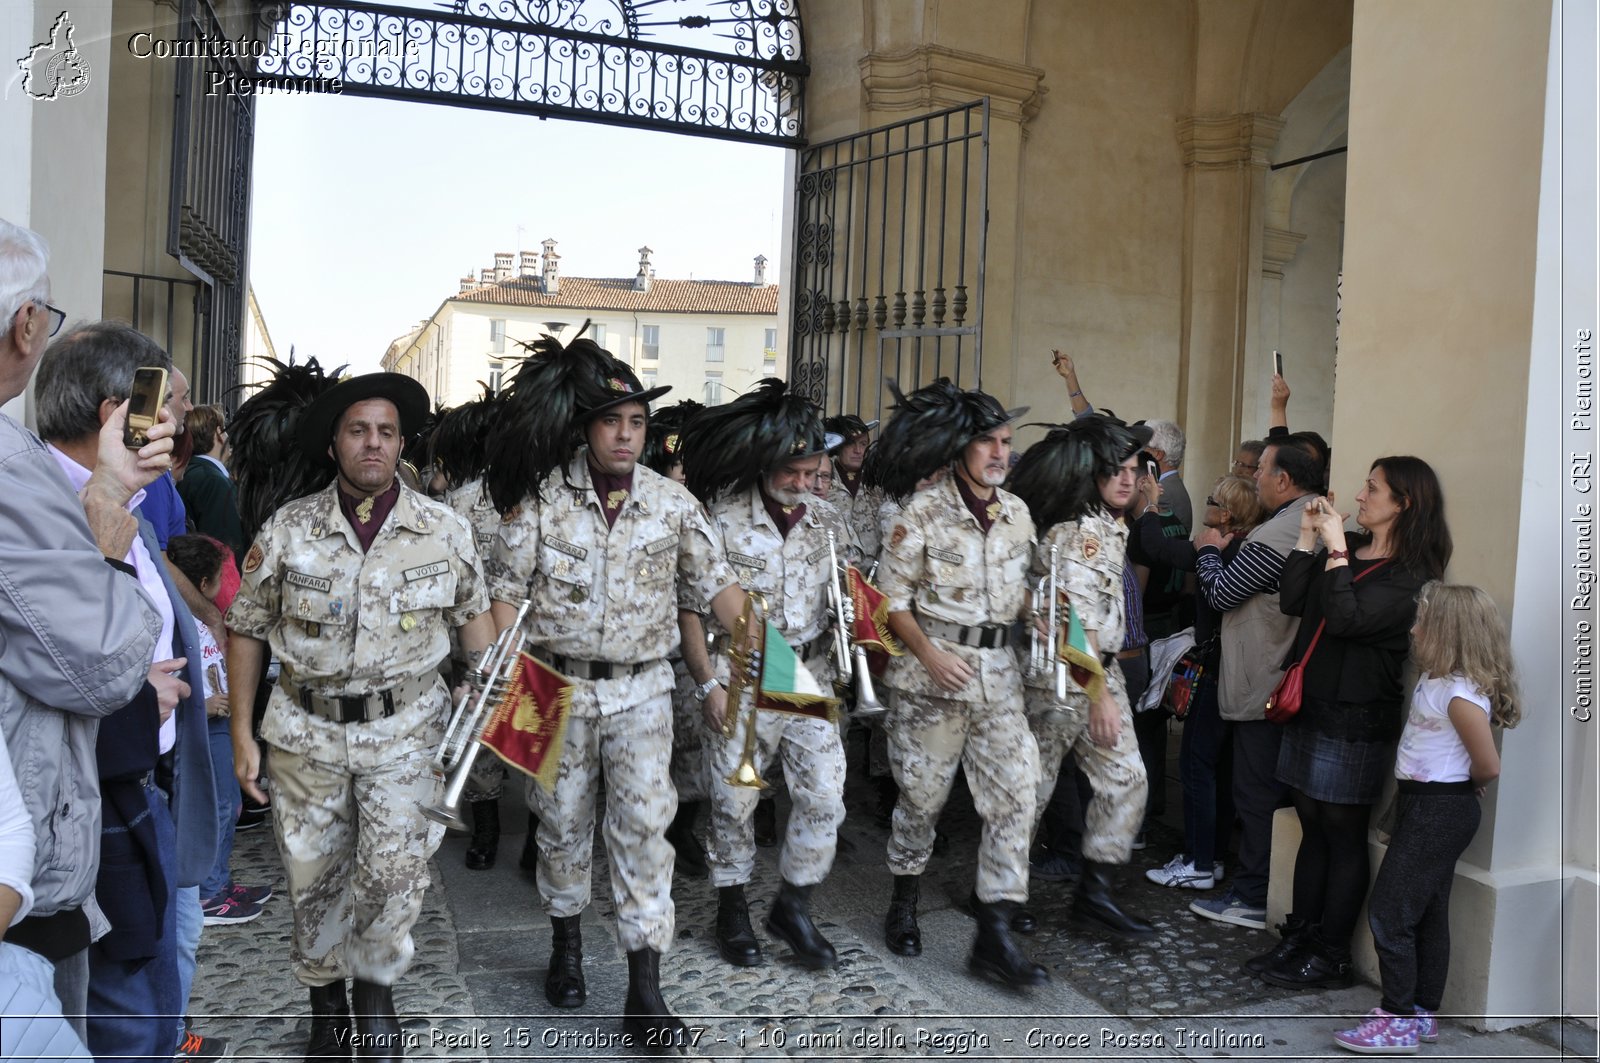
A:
(1409, 909)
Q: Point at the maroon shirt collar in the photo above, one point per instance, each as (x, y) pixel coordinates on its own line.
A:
(851, 480)
(354, 507)
(987, 511)
(612, 491)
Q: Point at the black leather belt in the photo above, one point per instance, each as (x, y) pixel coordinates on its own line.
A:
(573, 668)
(977, 636)
(357, 708)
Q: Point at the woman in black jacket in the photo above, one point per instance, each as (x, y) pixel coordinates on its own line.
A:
(1338, 750)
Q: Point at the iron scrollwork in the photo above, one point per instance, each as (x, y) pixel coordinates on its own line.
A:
(585, 59)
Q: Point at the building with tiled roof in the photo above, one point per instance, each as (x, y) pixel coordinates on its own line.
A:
(708, 339)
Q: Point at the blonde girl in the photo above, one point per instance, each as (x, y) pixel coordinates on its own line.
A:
(1447, 756)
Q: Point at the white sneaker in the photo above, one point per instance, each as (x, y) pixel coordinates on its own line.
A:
(1180, 874)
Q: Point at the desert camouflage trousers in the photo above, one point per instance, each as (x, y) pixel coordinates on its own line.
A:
(688, 725)
(929, 738)
(355, 849)
(1117, 773)
(633, 748)
(813, 765)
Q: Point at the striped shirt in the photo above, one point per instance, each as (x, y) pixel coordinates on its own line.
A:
(1254, 570)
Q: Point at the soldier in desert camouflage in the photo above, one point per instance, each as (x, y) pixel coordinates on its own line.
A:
(850, 494)
(954, 569)
(599, 544)
(754, 462)
(1076, 482)
(355, 588)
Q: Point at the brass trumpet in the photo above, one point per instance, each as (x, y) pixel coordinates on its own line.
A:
(847, 655)
(459, 749)
(745, 664)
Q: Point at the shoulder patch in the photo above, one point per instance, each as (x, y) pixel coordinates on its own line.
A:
(898, 536)
(253, 559)
(511, 514)
(1091, 547)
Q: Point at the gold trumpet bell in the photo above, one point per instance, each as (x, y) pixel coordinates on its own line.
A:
(745, 775)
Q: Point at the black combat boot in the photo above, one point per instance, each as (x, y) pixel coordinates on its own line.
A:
(1023, 921)
(330, 1024)
(485, 841)
(1094, 907)
(900, 931)
(680, 835)
(1316, 964)
(377, 1027)
(790, 919)
(645, 1016)
(563, 984)
(887, 794)
(1292, 933)
(996, 954)
(735, 938)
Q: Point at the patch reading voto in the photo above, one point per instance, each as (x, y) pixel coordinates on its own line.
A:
(300, 579)
(438, 568)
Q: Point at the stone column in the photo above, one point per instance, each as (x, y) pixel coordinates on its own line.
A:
(1225, 172)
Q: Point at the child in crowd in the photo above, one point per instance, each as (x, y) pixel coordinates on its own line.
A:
(210, 567)
(1446, 758)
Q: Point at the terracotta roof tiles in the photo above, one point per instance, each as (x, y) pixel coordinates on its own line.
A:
(617, 293)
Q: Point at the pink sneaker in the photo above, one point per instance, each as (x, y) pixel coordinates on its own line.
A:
(1382, 1034)
(1427, 1025)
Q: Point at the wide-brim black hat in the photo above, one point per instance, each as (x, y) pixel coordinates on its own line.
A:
(731, 446)
(410, 399)
(847, 426)
(930, 428)
(627, 389)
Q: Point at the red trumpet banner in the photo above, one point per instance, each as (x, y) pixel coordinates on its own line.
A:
(529, 725)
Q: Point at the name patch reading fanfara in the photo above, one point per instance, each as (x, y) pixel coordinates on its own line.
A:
(652, 549)
(570, 549)
(316, 583)
(816, 555)
(438, 568)
(746, 560)
(946, 555)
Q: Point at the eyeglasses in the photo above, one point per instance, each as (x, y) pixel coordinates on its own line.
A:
(1213, 502)
(57, 318)
(1246, 465)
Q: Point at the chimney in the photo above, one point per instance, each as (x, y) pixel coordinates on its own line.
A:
(502, 265)
(530, 264)
(641, 283)
(468, 283)
(761, 270)
(485, 276)
(552, 279)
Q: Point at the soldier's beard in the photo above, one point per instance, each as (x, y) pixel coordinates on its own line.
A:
(786, 498)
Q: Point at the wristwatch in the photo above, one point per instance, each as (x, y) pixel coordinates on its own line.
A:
(703, 691)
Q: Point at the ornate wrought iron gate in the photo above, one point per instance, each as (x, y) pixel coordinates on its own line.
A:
(890, 229)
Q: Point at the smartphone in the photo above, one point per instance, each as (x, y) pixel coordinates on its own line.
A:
(1277, 362)
(1151, 471)
(144, 405)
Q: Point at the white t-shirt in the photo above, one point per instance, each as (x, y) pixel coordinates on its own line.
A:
(1430, 748)
(213, 667)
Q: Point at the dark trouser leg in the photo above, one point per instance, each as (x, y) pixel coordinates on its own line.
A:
(1207, 804)
(1257, 793)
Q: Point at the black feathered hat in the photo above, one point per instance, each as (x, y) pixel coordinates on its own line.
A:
(552, 395)
(1059, 476)
(460, 447)
(269, 465)
(930, 428)
(663, 444)
(847, 426)
(730, 447)
(410, 398)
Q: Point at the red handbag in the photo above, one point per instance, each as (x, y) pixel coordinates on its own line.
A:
(1284, 701)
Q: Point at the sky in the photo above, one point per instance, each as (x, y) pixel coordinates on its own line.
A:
(366, 213)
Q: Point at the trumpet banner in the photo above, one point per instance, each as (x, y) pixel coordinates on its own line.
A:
(529, 725)
(1084, 667)
(871, 608)
(786, 685)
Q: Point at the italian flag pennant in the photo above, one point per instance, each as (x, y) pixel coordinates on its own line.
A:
(529, 725)
(1084, 667)
(786, 684)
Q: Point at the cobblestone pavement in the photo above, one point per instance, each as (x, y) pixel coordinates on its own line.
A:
(475, 990)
